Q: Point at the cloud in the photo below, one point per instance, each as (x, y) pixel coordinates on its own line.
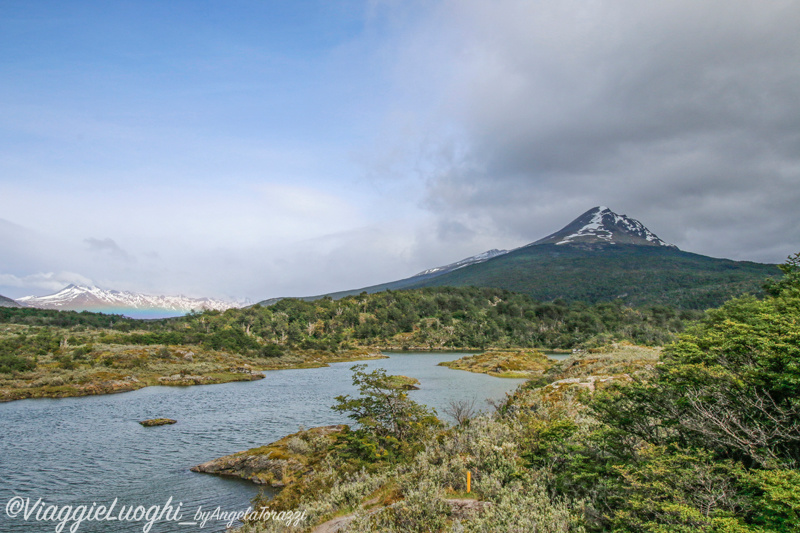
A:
(110, 247)
(50, 281)
(683, 114)
(441, 130)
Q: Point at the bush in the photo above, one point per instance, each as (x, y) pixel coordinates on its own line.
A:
(391, 424)
(13, 363)
(270, 350)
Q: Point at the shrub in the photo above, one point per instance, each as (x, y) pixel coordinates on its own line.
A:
(13, 363)
(270, 350)
(391, 424)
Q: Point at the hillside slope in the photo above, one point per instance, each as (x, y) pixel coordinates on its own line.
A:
(600, 272)
(8, 302)
(599, 256)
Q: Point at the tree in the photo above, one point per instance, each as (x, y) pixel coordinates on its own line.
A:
(391, 424)
(730, 385)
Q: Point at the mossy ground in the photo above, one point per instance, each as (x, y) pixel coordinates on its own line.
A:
(504, 363)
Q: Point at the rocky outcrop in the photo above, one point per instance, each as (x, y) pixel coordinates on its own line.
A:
(180, 379)
(260, 469)
(275, 464)
(401, 383)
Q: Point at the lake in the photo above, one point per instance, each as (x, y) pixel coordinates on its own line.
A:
(91, 450)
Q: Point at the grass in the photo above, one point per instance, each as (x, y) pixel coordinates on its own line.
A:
(615, 359)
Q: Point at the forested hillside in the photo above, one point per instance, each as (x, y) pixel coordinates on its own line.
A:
(637, 275)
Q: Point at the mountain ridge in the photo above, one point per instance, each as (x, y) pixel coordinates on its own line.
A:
(90, 298)
(599, 256)
(480, 258)
(8, 302)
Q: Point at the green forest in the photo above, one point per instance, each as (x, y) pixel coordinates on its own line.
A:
(637, 275)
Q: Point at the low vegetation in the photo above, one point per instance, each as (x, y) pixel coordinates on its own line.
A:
(702, 436)
(53, 354)
(504, 363)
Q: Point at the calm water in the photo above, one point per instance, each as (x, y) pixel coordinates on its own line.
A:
(79, 451)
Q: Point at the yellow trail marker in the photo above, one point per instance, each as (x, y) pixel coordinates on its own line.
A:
(469, 481)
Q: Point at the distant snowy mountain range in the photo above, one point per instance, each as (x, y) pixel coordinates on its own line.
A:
(135, 305)
(599, 255)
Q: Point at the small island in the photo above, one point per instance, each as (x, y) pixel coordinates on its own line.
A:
(504, 363)
(157, 422)
(400, 382)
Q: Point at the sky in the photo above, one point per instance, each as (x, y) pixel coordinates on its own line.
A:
(249, 149)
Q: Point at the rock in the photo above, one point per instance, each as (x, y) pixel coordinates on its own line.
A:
(465, 508)
(260, 469)
(244, 369)
(157, 422)
(274, 465)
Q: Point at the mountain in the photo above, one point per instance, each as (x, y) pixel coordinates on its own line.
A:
(82, 298)
(600, 225)
(480, 258)
(600, 256)
(403, 283)
(603, 256)
(8, 302)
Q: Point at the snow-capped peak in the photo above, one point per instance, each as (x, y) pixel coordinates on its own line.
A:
(602, 225)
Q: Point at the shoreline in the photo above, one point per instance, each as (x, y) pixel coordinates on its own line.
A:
(227, 369)
(57, 383)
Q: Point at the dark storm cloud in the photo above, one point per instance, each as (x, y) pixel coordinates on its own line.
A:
(683, 114)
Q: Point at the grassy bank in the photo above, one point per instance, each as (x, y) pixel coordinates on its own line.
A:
(96, 368)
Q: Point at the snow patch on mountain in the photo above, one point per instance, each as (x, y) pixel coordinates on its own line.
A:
(480, 258)
(602, 225)
(593, 228)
